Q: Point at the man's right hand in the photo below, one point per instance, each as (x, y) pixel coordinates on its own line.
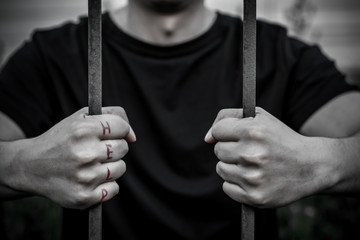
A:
(76, 162)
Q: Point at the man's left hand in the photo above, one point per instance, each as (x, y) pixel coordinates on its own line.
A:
(263, 162)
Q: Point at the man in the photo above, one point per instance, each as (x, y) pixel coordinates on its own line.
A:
(175, 66)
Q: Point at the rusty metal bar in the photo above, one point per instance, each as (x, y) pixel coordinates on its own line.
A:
(95, 94)
(249, 97)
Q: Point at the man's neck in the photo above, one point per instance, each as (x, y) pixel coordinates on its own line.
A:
(159, 28)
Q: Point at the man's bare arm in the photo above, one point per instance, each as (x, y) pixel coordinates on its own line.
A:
(9, 131)
(264, 163)
(339, 122)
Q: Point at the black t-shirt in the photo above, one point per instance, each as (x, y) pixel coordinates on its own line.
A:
(171, 94)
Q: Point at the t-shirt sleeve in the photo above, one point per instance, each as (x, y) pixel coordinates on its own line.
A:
(23, 90)
(314, 81)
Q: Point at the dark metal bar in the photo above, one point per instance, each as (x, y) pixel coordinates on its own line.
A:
(95, 94)
(94, 56)
(249, 97)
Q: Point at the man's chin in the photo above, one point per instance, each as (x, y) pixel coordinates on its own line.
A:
(167, 6)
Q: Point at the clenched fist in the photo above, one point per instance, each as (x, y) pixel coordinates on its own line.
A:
(263, 162)
(76, 162)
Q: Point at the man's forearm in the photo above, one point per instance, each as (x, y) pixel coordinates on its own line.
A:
(8, 154)
(347, 155)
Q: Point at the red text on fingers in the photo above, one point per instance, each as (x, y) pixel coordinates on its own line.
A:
(109, 152)
(104, 193)
(106, 128)
(108, 174)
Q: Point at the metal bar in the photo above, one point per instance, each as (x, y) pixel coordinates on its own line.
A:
(94, 56)
(95, 94)
(249, 97)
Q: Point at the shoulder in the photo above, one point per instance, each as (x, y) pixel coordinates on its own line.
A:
(263, 26)
(51, 46)
(64, 34)
(268, 33)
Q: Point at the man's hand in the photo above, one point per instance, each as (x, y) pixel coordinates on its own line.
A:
(263, 162)
(76, 162)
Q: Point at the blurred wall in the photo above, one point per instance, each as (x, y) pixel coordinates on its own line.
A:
(335, 24)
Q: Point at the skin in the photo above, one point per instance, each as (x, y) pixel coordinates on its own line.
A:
(142, 20)
(260, 158)
(72, 168)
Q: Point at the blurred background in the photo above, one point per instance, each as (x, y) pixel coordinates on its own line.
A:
(333, 24)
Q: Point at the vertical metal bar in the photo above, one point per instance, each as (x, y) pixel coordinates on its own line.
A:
(95, 94)
(94, 56)
(249, 96)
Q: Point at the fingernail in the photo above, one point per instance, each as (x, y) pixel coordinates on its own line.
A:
(208, 136)
(132, 135)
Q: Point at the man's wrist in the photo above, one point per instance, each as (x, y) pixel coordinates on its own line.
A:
(337, 165)
(12, 179)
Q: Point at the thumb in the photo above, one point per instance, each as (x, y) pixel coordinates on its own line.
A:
(224, 113)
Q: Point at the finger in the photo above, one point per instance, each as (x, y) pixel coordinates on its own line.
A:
(252, 198)
(112, 150)
(229, 129)
(103, 173)
(245, 177)
(119, 111)
(111, 171)
(245, 153)
(108, 126)
(228, 152)
(224, 113)
(105, 192)
(229, 113)
(235, 192)
(230, 173)
(94, 175)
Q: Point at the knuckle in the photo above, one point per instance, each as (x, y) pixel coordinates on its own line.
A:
(85, 178)
(81, 130)
(254, 179)
(82, 156)
(256, 132)
(238, 156)
(257, 199)
(82, 199)
(258, 158)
